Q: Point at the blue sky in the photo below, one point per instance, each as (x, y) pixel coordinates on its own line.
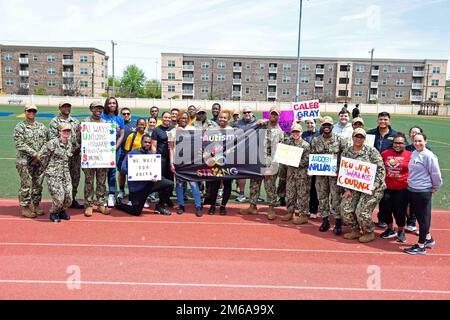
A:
(416, 29)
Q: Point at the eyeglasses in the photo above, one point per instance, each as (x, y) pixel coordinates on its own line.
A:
(126, 114)
(246, 112)
(32, 111)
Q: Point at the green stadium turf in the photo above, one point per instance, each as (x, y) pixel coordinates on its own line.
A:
(437, 130)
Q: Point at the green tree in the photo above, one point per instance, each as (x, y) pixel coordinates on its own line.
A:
(40, 91)
(152, 89)
(133, 81)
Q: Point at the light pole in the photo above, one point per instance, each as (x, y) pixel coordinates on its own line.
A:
(156, 71)
(297, 92)
(113, 84)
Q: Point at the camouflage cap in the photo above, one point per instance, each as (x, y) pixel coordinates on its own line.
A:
(30, 107)
(327, 120)
(96, 104)
(360, 131)
(296, 127)
(358, 119)
(64, 126)
(275, 109)
(65, 102)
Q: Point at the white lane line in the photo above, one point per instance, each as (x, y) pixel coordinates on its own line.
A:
(135, 246)
(221, 285)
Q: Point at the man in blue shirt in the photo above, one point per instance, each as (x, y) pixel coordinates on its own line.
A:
(130, 127)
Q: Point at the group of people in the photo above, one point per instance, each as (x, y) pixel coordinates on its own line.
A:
(406, 177)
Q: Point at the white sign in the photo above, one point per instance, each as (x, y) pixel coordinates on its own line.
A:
(370, 140)
(322, 165)
(288, 155)
(357, 175)
(306, 110)
(98, 145)
(144, 167)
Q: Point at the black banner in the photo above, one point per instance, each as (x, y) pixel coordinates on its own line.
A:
(208, 155)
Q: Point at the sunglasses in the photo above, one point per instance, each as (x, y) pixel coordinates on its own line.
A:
(246, 112)
(31, 111)
(126, 113)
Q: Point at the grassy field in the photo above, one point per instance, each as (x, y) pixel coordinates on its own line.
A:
(437, 130)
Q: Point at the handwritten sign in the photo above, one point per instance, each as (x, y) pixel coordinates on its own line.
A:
(98, 145)
(144, 167)
(357, 175)
(288, 155)
(285, 121)
(322, 165)
(306, 110)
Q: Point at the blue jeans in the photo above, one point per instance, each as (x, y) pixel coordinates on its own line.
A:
(195, 192)
(112, 184)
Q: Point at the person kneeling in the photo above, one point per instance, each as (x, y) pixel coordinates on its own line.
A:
(140, 190)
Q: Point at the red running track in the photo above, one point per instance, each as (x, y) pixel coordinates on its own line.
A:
(213, 257)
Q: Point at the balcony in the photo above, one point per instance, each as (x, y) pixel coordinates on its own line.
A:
(67, 62)
(66, 86)
(418, 73)
(188, 80)
(318, 83)
(188, 67)
(417, 86)
(375, 73)
(320, 71)
(237, 68)
(416, 98)
(24, 60)
(236, 94)
(271, 95)
(272, 82)
(374, 85)
(273, 70)
(237, 81)
(373, 97)
(24, 73)
(24, 85)
(67, 74)
(188, 92)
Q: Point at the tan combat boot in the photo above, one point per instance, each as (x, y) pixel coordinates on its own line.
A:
(271, 215)
(103, 210)
(37, 210)
(288, 216)
(250, 210)
(367, 237)
(26, 212)
(302, 219)
(88, 212)
(355, 234)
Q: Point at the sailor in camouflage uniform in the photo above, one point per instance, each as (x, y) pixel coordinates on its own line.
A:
(357, 207)
(274, 135)
(29, 137)
(298, 181)
(75, 160)
(56, 155)
(327, 189)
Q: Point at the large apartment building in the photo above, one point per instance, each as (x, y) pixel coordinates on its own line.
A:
(257, 78)
(58, 71)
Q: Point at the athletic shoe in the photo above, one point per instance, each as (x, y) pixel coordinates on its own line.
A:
(411, 228)
(223, 210)
(241, 198)
(180, 209)
(429, 244)
(381, 225)
(121, 195)
(199, 212)
(163, 211)
(261, 200)
(54, 217)
(388, 234)
(401, 237)
(63, 215)
(147, 204)
(153, 197)
(415, 249)
(111, 200)
(312, 215)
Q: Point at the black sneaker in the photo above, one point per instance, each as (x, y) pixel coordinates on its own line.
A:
(223, 210)
(415, 249)
(212, 210)
(199, 211)
(180, 210)
(337, 228)
(429, 244)
(325, 225)
(381, 225)
(63, 215)
(54, 217)
(161, 210)
(401, 236)
(76, 205)
(388, 234)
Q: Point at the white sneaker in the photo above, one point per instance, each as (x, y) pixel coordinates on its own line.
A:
(146, 205)
(121, 195)
(411, 228)
(129, 203)
(111, 200)
(240, 198)
(312, 215)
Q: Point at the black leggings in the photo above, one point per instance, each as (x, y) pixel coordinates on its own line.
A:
(138, 198)
(215, 185)
(313, 199)
(394, 202)
(420, 206)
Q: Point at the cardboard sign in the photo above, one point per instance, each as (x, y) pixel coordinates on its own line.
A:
(98, 145)
(370, 140)
(306, 110)
(285, 121)
(288, 155)
(144, 167)
(357, 175)
(322, 165)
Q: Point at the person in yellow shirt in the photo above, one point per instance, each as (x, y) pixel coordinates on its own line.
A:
(134, 139)
(192, 111)
(154, 113)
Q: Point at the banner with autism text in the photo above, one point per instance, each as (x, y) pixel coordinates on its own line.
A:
(357, 175)
(98, 145)
(144, 167)
(285, 121)
(288, 155)
(322, 165)
(306, 110)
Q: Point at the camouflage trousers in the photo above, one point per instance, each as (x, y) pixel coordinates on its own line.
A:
(298, 189)
(329, 194)
(357, 210)
(100, 191)
(281, 190)
(269, 185)
(60, 188)
(30, 189)
(75, 172)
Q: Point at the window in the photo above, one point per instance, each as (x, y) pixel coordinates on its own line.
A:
(434, 95)
(8, 57)
(358, 94)
(286, 91)
(359, 68)
(261, 78)
(344, 67)
(330, 67)
(83, 58)
(358, 81)
(204, 89)
(171, 63)
(384, 81)
(35, 58)
(330, 80)
(399, 94)
(383, 94)
(261, 91)
(343, 80)
(287, 67)
(247, 90)
(305, 67)
(248, 78)
(9, 70)
(204, 65)
(434, 82)
(9, 82)
(262, 66)
(83, 71)
(51, 70)
(171, 76)
(385, 69)
(35, 70)
(51, 83)
(304, 80)
(204, 77)
(343, 93)
(303, 92)
(248, 66)
(401, 69)
(220, 77)
(36, 83)
(84, 84)
(286, 79)
(51, 58)
(436, 70)
(171, 88)
(400, 82)
(221, 65)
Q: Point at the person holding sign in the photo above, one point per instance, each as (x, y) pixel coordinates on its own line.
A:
(297, 179)
(327, 190)
(140, 190)
(356, 206)
(99, 174)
